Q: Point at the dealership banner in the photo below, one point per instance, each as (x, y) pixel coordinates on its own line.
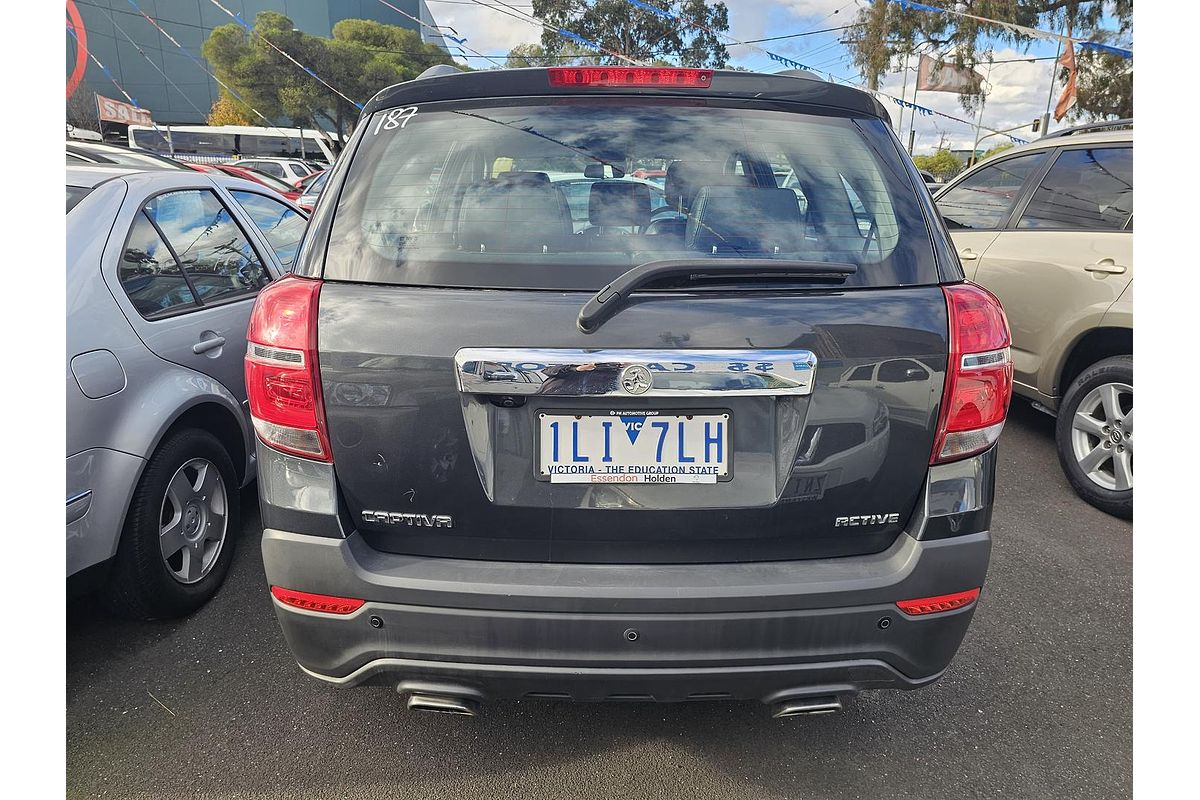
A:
(115, 111)
(934, 76)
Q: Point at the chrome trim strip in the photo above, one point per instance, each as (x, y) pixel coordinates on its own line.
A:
(598, 373)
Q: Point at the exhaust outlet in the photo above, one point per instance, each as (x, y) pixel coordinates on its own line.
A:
(442, 704)
(807, 705)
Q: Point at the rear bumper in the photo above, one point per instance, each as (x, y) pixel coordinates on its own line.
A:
(596, 632)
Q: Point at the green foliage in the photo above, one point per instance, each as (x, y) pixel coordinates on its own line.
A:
(622, 28)
(362, 57)
(886, 30)
(1000, 148)
(1105, 85)
(943, 164)
(534, 55)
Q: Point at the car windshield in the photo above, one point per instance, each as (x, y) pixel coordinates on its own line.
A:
(547, 196)
(75, 194)
(269, 180)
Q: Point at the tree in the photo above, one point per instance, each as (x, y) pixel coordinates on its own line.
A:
(1000, 148)
(534, 55)
(82, 111)
(362, 57)
(885, 30)
(943, 164)
(1104, 86)
(691, 37)
(227, 111)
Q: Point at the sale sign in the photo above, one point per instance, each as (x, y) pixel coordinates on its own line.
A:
(116, 111)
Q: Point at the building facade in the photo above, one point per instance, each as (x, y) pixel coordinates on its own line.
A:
(115, 32)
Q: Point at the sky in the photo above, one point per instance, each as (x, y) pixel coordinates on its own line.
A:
(1018, 94)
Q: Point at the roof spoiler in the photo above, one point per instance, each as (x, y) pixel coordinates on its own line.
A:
(439, 70)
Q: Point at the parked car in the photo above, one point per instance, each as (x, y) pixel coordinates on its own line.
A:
(312, 190)
(162, 271)
(289, 170)
(80, 153)
(1048, 227)
(303, 183)
(931, 181)
(271, 182)
(499, 458)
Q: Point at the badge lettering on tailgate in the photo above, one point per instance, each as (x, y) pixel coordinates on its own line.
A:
(866, 519)
(411, 520)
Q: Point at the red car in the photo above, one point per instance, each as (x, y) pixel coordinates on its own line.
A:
(260, 177)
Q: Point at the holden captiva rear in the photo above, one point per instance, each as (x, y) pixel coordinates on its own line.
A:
(605, 383)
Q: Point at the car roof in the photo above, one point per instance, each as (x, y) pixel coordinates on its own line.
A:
(95, 174)
(534, 82)
(1051, 140)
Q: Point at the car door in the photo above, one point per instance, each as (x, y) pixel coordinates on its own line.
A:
(1065, 257)
(186, 276)
(979, 204)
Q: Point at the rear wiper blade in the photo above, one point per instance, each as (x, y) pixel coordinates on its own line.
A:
(609, 300)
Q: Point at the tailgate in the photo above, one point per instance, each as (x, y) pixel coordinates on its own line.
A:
(692, 427)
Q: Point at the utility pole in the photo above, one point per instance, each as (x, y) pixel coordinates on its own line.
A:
(1050, 95)
(904, 94)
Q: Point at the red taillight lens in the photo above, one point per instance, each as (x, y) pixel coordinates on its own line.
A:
(936, 605)
(283, 382)
(978, 374)
(630, 76)
(325, 603)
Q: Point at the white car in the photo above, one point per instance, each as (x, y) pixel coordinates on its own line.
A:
(286, 169)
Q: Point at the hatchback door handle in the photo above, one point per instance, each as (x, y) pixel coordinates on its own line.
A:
(1106, 266)
(968, 255)
(205, 345)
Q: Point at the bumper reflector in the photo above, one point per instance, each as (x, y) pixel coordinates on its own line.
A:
(324, 603)
(936, 605)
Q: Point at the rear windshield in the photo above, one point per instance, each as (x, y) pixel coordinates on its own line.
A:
(75, 194)
(571, 193)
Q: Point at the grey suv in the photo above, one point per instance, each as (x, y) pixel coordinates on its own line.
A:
(162, 271)
(502, 457)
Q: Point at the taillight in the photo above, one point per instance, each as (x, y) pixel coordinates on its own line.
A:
(324, 603)
(630, 76)
(283, 382)
(936, 605)
(978, 374)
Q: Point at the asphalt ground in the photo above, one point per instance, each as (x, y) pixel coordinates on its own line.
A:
(1036, 705)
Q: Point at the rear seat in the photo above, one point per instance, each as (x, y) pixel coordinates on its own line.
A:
(744, 219)
(516, 212)
(684, 181)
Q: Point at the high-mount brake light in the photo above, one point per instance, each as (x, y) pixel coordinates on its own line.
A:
(323, 603)
(979, 374)
(630, 76)
(283, 382)
(936, 605)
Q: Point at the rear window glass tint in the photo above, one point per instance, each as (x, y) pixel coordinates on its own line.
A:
(983, 200)
(150, 275)
(544, 195)
(75, 194)
(282, 226)
(1085, 190)
(218, 258)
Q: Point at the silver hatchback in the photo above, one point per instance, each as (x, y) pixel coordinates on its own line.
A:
(162, 271)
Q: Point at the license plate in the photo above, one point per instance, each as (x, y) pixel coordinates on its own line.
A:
(634, 447)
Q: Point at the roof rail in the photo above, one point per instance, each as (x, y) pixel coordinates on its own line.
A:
(1091, 127)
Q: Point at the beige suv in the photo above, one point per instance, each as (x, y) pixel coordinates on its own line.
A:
(1048, 227)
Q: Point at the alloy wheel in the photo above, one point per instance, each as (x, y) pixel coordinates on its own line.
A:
(193, 521)
(1102, 436)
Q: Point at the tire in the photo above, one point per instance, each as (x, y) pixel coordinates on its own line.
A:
(1094, 435)
(146, 583)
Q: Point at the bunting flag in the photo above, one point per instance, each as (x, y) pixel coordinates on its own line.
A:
(1070, 94)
